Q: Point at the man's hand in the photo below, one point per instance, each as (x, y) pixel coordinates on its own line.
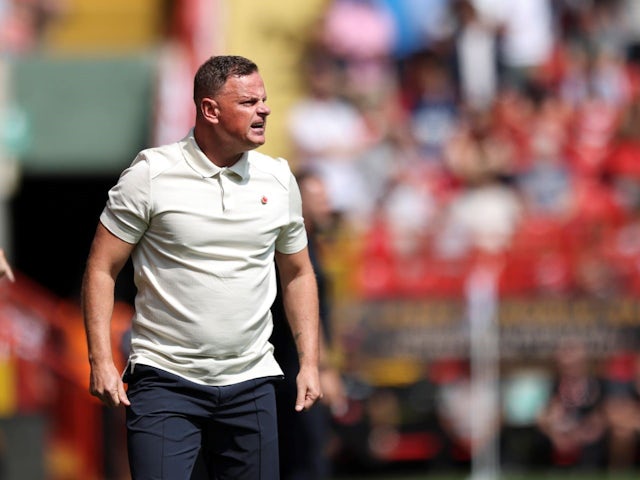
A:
(333, 391)
(308, 383)
(106, 384)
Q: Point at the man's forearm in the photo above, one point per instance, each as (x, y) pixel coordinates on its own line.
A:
(97, 305)
(301, 305)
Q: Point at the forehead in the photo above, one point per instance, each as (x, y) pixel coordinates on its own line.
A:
(250, 86)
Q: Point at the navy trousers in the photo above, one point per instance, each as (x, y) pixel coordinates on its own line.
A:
(180, 430)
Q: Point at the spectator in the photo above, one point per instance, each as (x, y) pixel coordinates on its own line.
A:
(476, 54)
(330, 136)
(304, 439)
(573, 421)
(526, 36)
(484, 214)
(622, 410)
(430, 100)
(544, 178)
(365, 51)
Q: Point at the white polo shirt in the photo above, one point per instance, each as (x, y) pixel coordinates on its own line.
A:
(205, 239)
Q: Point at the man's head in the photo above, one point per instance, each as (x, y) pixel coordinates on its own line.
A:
(316, 206)
(231, 111)
(213, 74)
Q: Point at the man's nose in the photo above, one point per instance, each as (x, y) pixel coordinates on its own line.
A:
(263, 109)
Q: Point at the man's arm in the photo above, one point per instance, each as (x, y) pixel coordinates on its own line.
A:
(107, 257)
(300, 297)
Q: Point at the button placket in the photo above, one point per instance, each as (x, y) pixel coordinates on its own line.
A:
(225, 194)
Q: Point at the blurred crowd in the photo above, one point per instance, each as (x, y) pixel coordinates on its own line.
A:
(447, 129)
(578, 415)
(450, 132)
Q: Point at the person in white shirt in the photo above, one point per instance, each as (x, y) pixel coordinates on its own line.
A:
(202, 220)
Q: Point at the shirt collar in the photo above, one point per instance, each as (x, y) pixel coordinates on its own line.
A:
(197, 160)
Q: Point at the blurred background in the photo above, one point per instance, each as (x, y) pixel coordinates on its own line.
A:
(482, 164)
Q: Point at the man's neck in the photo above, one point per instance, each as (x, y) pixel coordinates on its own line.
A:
(218, 158)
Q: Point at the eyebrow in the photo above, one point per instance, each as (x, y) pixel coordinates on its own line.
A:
(243, 97)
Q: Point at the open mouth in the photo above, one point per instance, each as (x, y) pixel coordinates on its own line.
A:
(258, 126)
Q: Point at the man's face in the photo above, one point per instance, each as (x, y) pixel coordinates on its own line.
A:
(316, 207)
(243, 111)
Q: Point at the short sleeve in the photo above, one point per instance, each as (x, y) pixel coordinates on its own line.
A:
(126, 213)
(293, 236)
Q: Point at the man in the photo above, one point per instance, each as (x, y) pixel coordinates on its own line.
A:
(5, 268)
(203, 219)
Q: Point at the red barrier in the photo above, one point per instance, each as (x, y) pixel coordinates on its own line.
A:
(43, 338)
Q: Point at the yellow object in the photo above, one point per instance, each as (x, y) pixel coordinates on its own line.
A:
(106, 26)
(273, 34)
(8, 393)
(388, 372)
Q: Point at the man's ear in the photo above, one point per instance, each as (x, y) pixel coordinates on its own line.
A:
(209, 109)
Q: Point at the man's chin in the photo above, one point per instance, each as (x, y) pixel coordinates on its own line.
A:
(257, 141)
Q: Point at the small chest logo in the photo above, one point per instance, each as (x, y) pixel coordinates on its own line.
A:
(264, 200)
